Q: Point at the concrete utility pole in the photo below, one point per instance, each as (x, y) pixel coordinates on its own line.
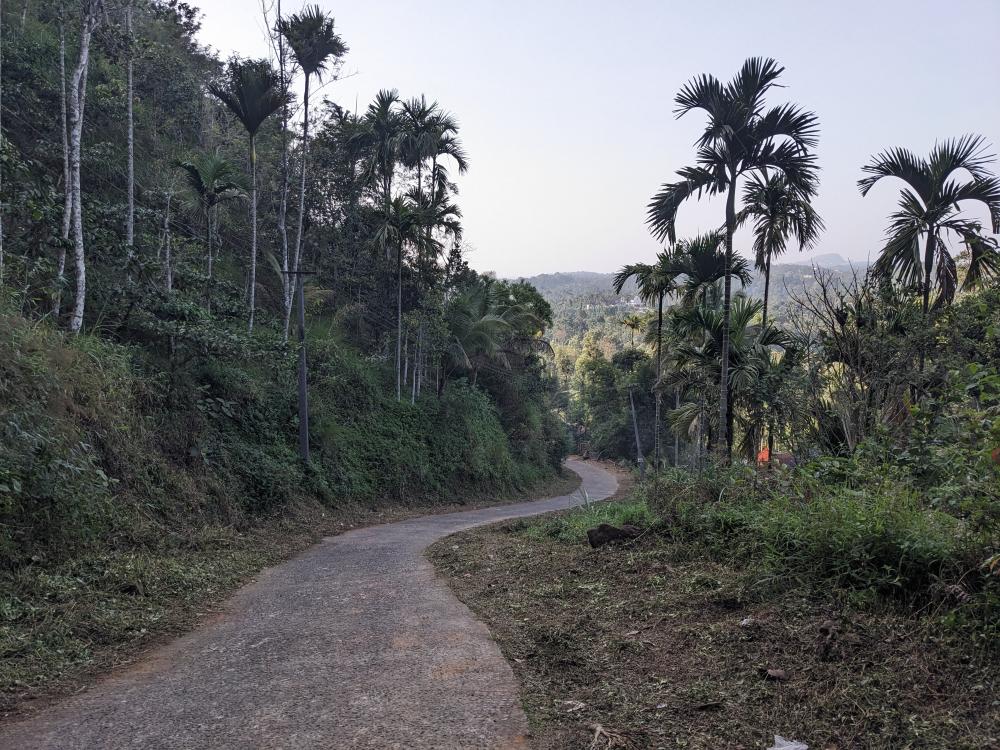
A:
(303, 383)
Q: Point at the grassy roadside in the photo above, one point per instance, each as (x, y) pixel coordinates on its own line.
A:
(658, 645)
(63, 626)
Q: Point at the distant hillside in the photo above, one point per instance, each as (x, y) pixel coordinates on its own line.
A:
(556, 287)
(583, 287)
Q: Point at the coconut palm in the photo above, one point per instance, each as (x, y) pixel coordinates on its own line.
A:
(212, 179)
(316, 48)
(742, 138)
(252, 91)
(931, 210)
(654, 281)
(779, 212)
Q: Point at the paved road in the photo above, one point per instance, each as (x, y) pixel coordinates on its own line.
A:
(352, 644)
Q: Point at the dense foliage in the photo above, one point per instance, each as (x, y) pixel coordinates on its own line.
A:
(158, 389)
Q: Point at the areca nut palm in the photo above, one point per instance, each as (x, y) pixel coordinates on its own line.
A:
(316, 48)
(749, 344)
(931, 209)
(779, 212)
(654, 282)
(385, 129)
(213, 179)
(633, 323)
(401, 227)
(699, 263)
(742, 137)
(252, 91)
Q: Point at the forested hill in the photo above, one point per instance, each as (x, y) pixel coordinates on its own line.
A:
(584, 301)
(157, 211)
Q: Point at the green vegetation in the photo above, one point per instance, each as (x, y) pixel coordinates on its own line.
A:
(819, 556)
(149, 404)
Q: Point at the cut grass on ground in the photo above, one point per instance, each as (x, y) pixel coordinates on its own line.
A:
(61, 626)
(661, 648)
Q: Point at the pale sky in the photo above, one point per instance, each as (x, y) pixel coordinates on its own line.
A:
(566, 108)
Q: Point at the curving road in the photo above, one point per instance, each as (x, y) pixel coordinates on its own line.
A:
(352, 644)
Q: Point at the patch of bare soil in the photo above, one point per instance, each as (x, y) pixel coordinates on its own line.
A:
(650, 646)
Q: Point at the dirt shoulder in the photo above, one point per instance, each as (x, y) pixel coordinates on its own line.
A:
(654, 646)
(64, 626)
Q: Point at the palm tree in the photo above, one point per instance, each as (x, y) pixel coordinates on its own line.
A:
(633, 323)
(742, 138)
(252, 92)
(779, 213)
(654, 282)
(315, 46)
(419, 136)
(699, 264)
(698, 359)
(212, 179)
(476, 327)
(385, 129)
(401, 227)
(930, 210)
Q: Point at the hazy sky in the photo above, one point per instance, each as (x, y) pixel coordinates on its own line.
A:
(566, 108)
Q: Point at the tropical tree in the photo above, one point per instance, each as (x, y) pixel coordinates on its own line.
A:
(699, 264)
(385, 130)
(400, 228)
(654, 281)
(742, 138)
(633, 323)
(212, 180)
(91, 12)
(316, 47)
(931, 209)
(698, 357)
(779, 212)
(252, 92)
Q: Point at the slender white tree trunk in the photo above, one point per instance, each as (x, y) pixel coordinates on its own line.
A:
(130, 217)
(67, 176)
(253, 229)
(286, 279)
(78, 97)
(168, 267)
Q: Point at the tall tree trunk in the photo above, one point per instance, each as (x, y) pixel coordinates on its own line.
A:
(677, 438)
(130, 218)
(1, 149)
(168, 260)
(78, 98)
(659, 398)
(724, 439)
(303, 384)
(767, 288)
(297, 256)
(928, 267)
(639, 458)
(399, 320)
(67, 176)
(208, 240)
(253, 229)
(286, 279)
